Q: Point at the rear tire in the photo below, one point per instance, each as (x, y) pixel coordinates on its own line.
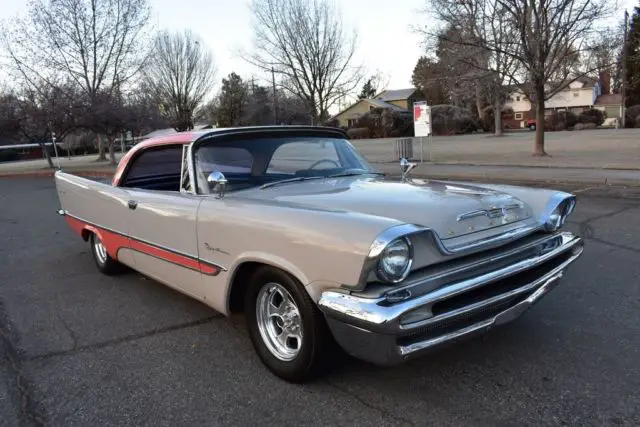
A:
(532, 127)
(286, 328)
(103, 260)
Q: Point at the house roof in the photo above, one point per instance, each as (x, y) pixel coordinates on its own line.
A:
(395, 94)
(374, 102)
(382, 104)
(609, 99)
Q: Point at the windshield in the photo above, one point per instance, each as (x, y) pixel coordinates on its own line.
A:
(263, 161)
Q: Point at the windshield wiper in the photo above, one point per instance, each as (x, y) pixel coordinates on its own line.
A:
(284, 181)
(342, 174)
(305, 178)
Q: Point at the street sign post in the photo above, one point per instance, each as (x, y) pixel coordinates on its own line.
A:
(422, 125)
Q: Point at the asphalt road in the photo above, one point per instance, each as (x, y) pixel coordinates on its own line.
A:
(79, 348)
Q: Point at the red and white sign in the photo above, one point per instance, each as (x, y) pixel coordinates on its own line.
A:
(421, 119)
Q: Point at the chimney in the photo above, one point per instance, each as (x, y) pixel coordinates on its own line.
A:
(605, 82)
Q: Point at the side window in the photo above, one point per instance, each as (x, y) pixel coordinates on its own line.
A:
(295, 156)
(155, 163)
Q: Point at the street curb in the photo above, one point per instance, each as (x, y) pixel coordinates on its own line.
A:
(48, 173)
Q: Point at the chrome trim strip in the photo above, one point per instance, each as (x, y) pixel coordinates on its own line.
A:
(489, 213)
(489, 242)
(146, 242)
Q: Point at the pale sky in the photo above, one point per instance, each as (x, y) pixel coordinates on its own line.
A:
(386, 40)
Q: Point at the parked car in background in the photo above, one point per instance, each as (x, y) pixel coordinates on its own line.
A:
(293, 227)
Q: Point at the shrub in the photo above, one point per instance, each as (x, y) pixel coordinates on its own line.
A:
(559, 126)
(637, 121)
(631, 116)
(359, 133)
(579, 126)
(590, 125)
(567, 118)
(449, 119)
(383, 122)
(333, 123)
(592, 115)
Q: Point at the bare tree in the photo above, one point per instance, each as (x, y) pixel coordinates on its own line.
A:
(477, 34)
(97, 44)
(548, 39)
(305, 44)
(180, 74)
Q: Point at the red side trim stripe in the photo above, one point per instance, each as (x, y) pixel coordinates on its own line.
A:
(113, 242)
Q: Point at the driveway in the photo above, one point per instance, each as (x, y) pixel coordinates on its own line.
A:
(80, 348)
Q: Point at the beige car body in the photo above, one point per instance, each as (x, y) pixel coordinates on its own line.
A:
(322, 232)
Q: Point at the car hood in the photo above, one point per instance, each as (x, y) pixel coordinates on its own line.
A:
(449, 209)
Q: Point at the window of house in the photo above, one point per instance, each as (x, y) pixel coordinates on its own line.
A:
(517, 98)
(575, 94)
(518, 116)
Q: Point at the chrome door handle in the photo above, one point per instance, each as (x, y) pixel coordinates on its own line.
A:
(132, 204)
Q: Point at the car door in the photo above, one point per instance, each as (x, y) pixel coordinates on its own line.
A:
(162, 224)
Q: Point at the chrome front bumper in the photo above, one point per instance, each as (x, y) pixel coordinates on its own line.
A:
(386, 332)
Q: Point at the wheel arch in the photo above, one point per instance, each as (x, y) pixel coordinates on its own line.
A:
(242, 272)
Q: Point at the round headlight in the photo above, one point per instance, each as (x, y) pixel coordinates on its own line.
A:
(395, 261)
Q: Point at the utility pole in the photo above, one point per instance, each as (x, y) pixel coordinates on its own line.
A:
(275, 97)
(624, 70)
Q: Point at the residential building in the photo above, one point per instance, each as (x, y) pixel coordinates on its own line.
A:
(399, 100)
(578, 96)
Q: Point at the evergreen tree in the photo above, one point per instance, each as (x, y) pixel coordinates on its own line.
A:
(633, 60)
(232, 101)
(368, 90)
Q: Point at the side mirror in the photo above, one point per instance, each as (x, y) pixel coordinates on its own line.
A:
(217, 182)
(406, 167)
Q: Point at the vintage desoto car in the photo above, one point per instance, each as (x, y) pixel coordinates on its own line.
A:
(291, 226)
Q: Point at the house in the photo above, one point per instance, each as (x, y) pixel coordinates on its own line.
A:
(398, 100)
(580, 95)
(611, 104)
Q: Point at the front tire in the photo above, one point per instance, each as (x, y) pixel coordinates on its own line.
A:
(532, 127)
(286, 328)
(103, 260)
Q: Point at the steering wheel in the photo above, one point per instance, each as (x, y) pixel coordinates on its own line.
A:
(324, 161)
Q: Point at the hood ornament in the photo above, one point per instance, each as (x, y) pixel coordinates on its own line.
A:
(406, 167)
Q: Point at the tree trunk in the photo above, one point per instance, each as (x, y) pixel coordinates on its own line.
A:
(112, 151)
(46, 155)
(538, 149)
(497, 117)
(479, 98)
(101, 152)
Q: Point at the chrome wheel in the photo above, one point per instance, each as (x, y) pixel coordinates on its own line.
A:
(279, 321)
(101, 252)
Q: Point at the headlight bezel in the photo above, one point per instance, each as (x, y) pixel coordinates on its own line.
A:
(558, 214)
(383, 274)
